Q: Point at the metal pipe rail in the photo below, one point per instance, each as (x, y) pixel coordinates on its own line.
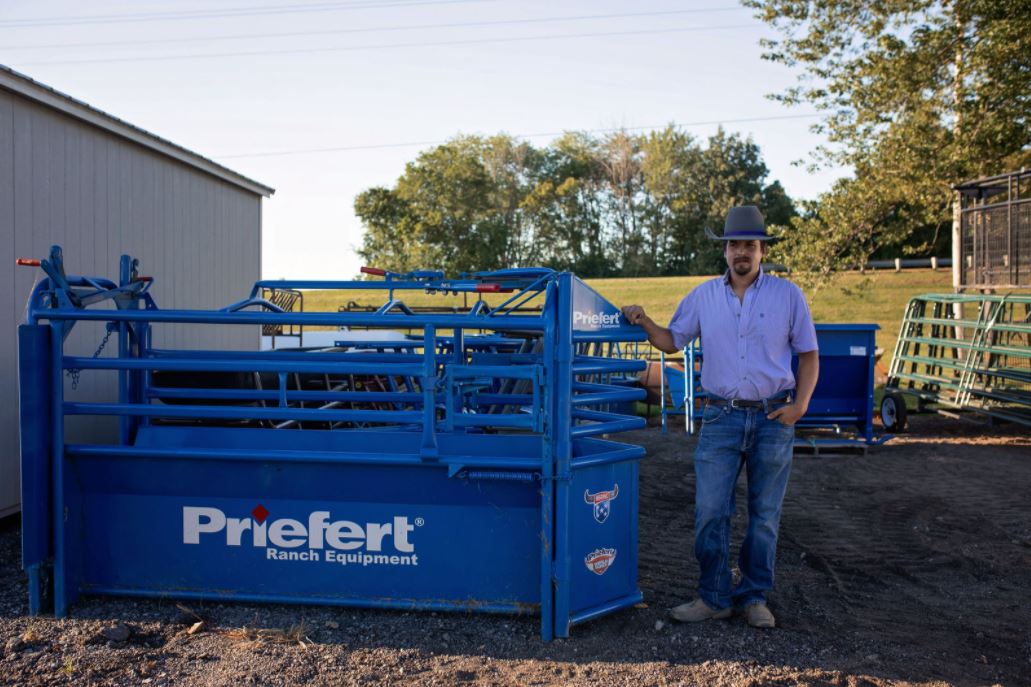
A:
(384, 463)
(964, 352)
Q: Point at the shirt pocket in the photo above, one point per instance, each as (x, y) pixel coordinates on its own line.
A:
(773, 335)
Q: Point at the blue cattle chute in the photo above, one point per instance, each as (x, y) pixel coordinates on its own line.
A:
(450, 471)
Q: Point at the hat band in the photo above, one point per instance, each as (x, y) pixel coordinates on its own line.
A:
(746, 233)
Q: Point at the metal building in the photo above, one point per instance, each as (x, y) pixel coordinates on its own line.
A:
(98, 186)
(994, 241)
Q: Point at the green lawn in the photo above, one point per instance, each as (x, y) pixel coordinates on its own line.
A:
(878, 297)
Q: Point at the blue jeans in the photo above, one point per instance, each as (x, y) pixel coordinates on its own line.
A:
(730, 439)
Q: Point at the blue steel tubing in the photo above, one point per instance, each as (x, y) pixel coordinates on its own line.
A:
(429, 380)
(247, 413)
(483, 400)
(364, 343)
(301, 396)
(508, 323)
(248, 302)
(585, 365)
(524, 296)
(124, 274)
(509, 372)
(563, 451)
(599, 394)
(61, 601)
(340, 365)
(146, 377)
(282, 390)
(291, 456)
(448, 285)
(603, 416)
(604, 609)
(607, 458)
(547, 534)
(457, 348)
(608, 427)
(280, 355)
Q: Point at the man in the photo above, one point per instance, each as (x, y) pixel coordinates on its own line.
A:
(750, 324)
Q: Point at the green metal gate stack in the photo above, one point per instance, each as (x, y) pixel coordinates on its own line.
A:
(963, 352)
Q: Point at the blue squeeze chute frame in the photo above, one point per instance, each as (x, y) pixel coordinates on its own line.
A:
(462, 477)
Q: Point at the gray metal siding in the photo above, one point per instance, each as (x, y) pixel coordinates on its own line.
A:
(63, 181)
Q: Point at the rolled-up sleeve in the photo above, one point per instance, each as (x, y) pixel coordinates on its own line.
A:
(803, 332)
(685, 324)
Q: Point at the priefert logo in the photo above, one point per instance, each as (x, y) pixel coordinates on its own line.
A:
(322, 539)
(595, 319)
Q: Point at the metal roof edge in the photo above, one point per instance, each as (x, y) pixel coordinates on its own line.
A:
(995, 179)
(30, 88)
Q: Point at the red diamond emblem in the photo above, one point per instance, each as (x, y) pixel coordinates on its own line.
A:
(260, 513)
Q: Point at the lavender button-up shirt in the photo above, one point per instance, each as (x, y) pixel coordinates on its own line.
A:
(747, 345)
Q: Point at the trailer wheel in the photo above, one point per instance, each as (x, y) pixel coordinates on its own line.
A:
(893, 412)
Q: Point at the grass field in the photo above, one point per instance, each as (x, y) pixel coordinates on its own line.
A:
(878, 297)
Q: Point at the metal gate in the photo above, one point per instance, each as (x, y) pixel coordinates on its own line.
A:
(963, 352)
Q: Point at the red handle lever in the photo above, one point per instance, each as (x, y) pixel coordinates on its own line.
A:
(488, 288)
(27, 262)
(375, 271)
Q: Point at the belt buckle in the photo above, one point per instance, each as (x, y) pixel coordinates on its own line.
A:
(733, 404)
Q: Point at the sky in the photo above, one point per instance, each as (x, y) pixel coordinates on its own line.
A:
(322, 99)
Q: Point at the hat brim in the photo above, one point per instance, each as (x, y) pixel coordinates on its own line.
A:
(743, 236)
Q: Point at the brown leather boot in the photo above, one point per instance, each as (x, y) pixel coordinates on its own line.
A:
(697, 611)
(757, 615)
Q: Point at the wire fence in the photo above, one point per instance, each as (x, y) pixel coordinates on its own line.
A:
(995, 231)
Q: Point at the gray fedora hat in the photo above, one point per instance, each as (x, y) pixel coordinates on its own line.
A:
(744, 223)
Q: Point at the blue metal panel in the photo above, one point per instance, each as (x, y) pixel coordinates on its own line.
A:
(328, 531)
(603, 520)
(446, 473)
(34, 371)
(843, 397)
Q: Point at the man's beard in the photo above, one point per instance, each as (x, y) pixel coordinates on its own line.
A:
(742, 268)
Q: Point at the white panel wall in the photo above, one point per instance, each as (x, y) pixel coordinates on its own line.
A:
(97, 195)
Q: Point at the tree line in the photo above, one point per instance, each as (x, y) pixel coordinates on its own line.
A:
(621, 204)
(917, 95)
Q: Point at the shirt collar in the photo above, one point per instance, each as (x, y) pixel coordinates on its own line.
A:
(757, 284)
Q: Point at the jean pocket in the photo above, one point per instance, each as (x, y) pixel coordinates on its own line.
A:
(712, 413)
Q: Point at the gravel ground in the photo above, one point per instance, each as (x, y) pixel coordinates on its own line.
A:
(908, 566)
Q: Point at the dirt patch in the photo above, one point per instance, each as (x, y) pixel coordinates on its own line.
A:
(910, 565)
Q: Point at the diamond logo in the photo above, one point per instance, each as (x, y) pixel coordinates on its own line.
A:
(259, 513)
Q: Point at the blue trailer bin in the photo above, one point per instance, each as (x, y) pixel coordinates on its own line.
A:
(843, 398)
(438, 475)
